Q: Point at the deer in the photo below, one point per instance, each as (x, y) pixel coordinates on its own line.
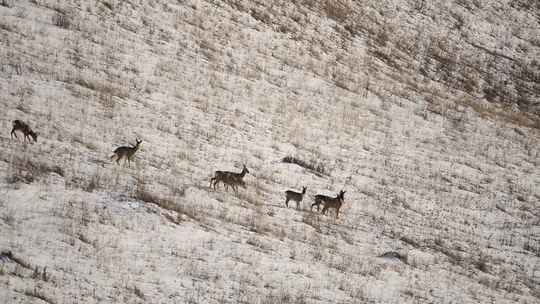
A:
(319, 199)
(329, 202)
(294, 196)
(334, 203)
(240, 183)
(126, 152)
(229, 179)
(19, 125)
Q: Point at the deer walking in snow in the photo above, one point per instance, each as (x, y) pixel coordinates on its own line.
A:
(232, 179)
(294, 196)
(329, 202)
(126, 152)
(19, 125)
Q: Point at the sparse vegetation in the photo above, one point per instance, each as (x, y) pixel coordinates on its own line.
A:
(61, 19)
(339, 10)
(449, 193)
(312, 165)
(39, 294)
(27, 170)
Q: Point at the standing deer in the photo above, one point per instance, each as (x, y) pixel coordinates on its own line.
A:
(319, 199)
(329, 202)
(240, 183)
(294, 196)
(19, 125)
(229, 179)
(334, 203)
(126, 152)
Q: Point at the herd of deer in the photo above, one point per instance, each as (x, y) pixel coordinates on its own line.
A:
(228, 178)
(234, 179)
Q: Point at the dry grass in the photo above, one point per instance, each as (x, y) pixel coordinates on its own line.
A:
(38, 294)
(504, 112)
(28, 170)
(311, 165)
(102, 87)
(5, 3)
(142, 193)
(61, 19)
(339, 10)
(313, 220)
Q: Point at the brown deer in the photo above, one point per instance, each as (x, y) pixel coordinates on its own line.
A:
(126, 152)
(294, 196)
(19, 125)
(319, 199)
(240, 183)
(229, 179)
(329, 202)
(334, 203)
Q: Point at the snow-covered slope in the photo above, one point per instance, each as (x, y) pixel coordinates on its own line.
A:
(435, 141)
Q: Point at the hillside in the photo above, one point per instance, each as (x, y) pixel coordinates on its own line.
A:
(427, 114)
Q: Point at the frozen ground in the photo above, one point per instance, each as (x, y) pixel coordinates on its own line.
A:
(427, 114)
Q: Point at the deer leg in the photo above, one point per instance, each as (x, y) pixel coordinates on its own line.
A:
(297, 205)
(318, 203)
(287, 202)
(337, 212)
(211, 181)
(13, 133)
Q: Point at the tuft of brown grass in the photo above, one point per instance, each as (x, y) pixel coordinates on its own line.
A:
(27, 170)
(312, 165)
(143, 194)
(504, 112)
(38, 294)
(61, 19)
(339, 10)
